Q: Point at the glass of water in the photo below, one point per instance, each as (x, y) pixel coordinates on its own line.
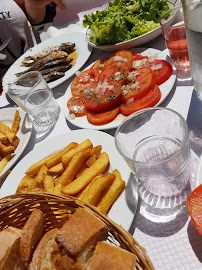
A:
(193, 26)
(155, 144)
(33, 95)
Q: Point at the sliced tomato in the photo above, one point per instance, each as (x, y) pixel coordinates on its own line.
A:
(76, 105)
(83, 81)
(194, 207)
(104, 96)
(99, 64)
(139, 61)
(138, 56)
(115, 71)
(149, 100)
(142, 80)
(102, 118)
(121, 56)
(162, 70)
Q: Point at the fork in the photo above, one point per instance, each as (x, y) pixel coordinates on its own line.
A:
(5, 43)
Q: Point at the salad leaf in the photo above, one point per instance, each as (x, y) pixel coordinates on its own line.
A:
(124, 19)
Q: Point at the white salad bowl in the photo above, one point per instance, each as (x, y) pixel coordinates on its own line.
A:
(134, 42)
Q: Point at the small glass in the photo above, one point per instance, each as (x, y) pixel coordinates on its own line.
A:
(155, 144)
(173, 30)
(33, 95)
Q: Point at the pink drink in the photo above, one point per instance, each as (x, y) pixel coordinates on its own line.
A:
(177, 44)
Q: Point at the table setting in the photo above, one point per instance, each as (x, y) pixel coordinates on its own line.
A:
(150, 138)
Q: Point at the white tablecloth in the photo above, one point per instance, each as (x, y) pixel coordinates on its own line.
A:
(173, 245)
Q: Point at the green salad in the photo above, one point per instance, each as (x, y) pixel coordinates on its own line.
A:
(123, 20)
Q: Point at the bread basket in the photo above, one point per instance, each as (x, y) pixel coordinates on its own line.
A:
(16, 209)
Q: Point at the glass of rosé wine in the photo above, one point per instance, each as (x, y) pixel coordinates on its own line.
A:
(173, 30)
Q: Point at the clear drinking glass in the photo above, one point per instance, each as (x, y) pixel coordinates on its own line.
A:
(155, 144)
(33, 95)
(173, 30)
(192, 18)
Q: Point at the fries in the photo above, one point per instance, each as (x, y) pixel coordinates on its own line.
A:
(4, 161)
(112, 193)
(57, 158)
(8, 140)
(68, 156)
(79, 170)
(75, 164)
(85, 178)
(48, 183)
(34, 169)
(99, 183)
(16, 123)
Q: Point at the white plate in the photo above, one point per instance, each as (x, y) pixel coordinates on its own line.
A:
(134, 42)
(82, 48)
(120, 211)
(165, 88)
(24, 132)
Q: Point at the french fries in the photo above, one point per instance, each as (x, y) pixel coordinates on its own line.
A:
(79, 170)
(48, 183)
(16, 123)
(34, 169)
(8, 140)
(75, 164)
(4, 161)
(87, 144)
(101, 183)
(85, 178)
(57, 158)
(112, 193)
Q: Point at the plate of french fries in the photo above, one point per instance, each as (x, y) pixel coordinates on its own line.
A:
(15, 132)
(83, 164)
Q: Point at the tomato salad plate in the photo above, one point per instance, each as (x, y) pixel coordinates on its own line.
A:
(102, 95)
(121, 211)
(51, 65)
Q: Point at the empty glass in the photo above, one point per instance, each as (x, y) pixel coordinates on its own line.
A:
(155, 144)
(34, 96)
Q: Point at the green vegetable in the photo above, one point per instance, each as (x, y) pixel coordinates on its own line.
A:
(123, 20)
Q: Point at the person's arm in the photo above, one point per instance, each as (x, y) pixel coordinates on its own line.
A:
(35, 10)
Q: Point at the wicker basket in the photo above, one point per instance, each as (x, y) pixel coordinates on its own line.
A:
(16, 209)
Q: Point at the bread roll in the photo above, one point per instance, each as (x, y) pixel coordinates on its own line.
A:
(80, 234)
(31, 234)
(108, 257)
(10, 258)
(43, 255)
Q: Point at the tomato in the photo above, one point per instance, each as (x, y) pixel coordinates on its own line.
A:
(124, 56)
(102, 118)
(149, 100)
(99, 64)
(108, 95)
(139, 61)
(137, 56)
(194, 207)
(83, 81)
(115, 71)
(162, 70)
(142, 80)
(77, 106)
